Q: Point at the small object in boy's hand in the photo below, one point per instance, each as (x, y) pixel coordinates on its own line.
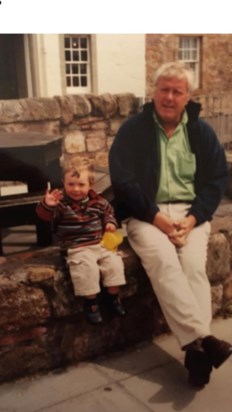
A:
(111, 240)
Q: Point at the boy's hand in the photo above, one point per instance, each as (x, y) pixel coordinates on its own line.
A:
(53, 197)
(110, 227)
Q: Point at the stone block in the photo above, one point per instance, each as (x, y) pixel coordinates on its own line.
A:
(218, 263)
(22, 305)
(96, 141)
(66, 109)
(115, 125)
(104, 105)
(29, 110)
(127, 104)
(74, 141)
(80, 104)
(217, 295)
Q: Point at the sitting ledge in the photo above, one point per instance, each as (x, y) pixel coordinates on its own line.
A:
(42, 325)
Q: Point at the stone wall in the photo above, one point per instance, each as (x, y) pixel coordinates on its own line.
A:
(88, 123)
(42, 326)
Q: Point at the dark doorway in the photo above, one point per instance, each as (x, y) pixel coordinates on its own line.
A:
(13, 83)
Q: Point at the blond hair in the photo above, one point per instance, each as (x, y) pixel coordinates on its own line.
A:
(77, 165)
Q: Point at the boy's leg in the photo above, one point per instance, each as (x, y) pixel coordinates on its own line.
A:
(85, 275)
(112, 270)
(84, 270)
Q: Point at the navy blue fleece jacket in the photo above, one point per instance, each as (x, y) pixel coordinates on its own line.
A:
(134, 162)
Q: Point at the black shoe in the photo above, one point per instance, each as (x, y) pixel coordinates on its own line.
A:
(217, 350)
(92, 312)
(115, 305)
(199, 367)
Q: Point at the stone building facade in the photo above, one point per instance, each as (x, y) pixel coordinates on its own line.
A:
(214, 59)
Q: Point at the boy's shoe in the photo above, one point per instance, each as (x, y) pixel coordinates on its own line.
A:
(92, 311)
(115, 305)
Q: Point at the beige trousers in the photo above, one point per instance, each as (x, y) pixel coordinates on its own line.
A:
(177, 275)
(89, 264)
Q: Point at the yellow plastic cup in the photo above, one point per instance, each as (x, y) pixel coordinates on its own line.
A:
(111, 240)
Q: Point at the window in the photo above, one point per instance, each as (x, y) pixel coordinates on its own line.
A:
(189, 53)
(77, 63)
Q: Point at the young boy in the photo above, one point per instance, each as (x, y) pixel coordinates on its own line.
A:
(82, 216)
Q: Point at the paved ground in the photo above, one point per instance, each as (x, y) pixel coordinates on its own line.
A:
(151, 377)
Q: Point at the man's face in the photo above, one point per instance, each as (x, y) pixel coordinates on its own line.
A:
(171, 96)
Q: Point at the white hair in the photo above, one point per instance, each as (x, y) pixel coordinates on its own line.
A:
(176, 69)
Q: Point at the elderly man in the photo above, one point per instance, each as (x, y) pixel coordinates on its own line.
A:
(168, 173)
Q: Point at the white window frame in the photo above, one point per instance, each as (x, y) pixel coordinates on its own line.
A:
(77, 63)
(190, 53)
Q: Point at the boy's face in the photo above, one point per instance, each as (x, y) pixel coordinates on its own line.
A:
(77, 188)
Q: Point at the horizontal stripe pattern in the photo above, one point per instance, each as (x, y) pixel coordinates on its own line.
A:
(78, 223)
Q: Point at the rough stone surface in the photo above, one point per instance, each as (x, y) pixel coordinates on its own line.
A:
(84, 121)
(96, 140)
(218, 264)
(104, 105)
(28, 110)
(74, 141)
(217, 296)
(42, 322)
(127, 104)
(22, 305)
(88, 123)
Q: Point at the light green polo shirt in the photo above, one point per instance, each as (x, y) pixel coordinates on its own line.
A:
(178, 164)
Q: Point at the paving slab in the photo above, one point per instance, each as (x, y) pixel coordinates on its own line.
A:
(147, 377)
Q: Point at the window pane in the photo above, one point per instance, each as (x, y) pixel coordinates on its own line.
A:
(67, 56)
(83, 81)
(84, 55)
(192, 66)
(68, 81)
(67, 68)
(83, 42)
(75, 42)
(193, 42)
(75, 56)
(75, 81)
(181, 54)
(67, 42)
(83, 68)
(75, 68)
(194, 55)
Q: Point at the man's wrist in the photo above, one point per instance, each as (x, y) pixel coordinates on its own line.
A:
(192, 220)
